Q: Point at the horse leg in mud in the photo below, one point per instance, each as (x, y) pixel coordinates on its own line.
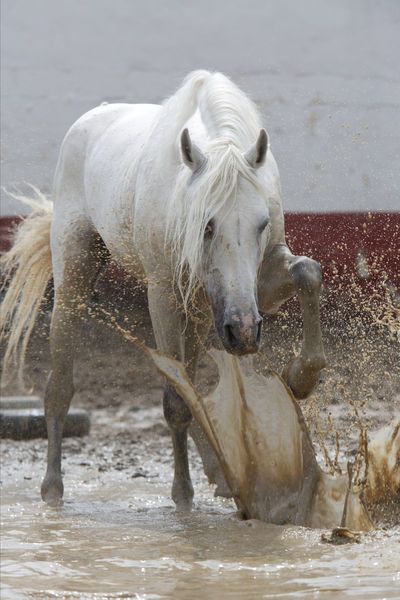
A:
(211, 465)
(182, 339)
(81, 263)
(195, 335)
(168, 324)
(282, 276)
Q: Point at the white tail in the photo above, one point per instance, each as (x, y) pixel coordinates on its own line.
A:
(27, 270)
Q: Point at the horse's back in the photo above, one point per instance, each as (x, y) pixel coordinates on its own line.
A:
(115, 129)
(95, 174)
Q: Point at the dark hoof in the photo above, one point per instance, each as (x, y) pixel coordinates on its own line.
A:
(52, 491)
(223, 491)
(184, 506)
(183, 498)
(303, 388)
(302, 375)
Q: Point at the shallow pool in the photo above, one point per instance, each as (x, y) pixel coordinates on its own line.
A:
(121, 538)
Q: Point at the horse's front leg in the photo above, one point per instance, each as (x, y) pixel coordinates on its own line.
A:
(194, 337)
(179, 417)
(282, 276)
(168, 326)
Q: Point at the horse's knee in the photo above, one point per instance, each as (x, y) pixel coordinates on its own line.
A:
(177, 414)
(306, 275)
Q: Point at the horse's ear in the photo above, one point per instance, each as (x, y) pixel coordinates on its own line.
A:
(257, 153)
(191, 154)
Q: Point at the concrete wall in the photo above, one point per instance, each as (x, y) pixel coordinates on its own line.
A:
(325, 74)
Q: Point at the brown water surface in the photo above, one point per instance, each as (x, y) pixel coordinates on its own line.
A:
(121, 538)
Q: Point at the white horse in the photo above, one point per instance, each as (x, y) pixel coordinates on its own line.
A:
(201, 222)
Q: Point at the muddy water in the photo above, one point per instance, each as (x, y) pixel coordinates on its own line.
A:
(117, 537)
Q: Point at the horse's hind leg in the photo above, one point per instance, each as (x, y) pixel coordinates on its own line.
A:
(79, 265)
(282, 276)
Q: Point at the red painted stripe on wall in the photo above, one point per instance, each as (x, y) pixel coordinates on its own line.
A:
(361, 245)
(366, 245)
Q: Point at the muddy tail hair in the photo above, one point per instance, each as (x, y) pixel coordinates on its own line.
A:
(26, 271)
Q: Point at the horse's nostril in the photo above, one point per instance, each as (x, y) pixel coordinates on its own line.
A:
(259, 328)
(229, 334)
(235, 336)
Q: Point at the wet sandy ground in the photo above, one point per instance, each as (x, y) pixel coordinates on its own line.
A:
(118, 536)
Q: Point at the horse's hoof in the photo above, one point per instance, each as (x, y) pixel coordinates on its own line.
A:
(52, 491)
(223, 490)
(183, 498)
(302, 375)
(184, 506)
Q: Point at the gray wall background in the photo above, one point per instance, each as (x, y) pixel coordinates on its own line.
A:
(325, 74)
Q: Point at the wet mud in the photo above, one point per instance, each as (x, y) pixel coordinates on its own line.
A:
(117, 534)
(119, 537)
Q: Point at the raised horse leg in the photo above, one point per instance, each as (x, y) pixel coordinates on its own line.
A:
(282, 276)
(83, 256)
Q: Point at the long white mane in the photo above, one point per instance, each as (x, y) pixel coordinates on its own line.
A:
(232, 124)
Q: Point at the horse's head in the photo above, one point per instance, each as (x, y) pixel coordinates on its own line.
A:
(234, 220)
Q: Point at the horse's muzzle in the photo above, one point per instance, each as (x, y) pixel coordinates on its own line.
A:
(241, 335)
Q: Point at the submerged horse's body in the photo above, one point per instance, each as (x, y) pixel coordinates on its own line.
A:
(200, 221)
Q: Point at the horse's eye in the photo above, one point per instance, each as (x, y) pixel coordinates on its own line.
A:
(209, 230)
